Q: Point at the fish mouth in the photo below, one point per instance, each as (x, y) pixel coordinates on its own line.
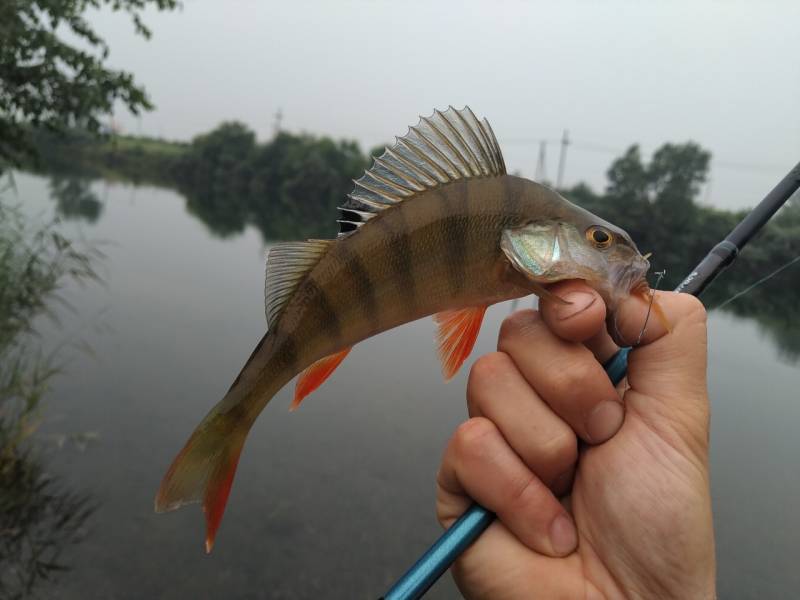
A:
(634, 279)
(631, 278)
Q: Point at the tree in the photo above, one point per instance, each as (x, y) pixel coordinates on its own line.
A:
(48, 82)
(656, 204)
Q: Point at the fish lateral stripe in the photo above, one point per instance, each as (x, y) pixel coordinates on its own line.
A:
(454, 209)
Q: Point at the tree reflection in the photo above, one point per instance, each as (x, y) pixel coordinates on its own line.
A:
(773, 305)
(75, 198)
(39, 518)
(290, 186)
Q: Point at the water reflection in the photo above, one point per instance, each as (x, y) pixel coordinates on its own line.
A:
(772, 305)
(335, 500)
(75, 198)
(39, 519)
(230, 214)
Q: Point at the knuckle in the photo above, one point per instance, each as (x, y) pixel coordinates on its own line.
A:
(517, 324)
(521, 488)
(565, 381)
(560, 450)
(471, 436)
(486, 370)
(488, 367)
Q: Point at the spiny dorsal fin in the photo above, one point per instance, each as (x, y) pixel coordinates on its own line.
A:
(287, 264)
(442, 148)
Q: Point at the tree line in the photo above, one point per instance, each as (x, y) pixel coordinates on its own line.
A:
(289, 187)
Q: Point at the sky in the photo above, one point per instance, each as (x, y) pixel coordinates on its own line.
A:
(612, 73)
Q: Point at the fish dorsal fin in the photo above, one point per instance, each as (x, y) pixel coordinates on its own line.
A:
(445, 147)
(287, 264)
(458, 330)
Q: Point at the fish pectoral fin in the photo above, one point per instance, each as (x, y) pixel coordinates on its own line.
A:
(543, 292)
(315, 375)
(456, 335)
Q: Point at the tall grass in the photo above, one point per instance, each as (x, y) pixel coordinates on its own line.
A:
(38, 516)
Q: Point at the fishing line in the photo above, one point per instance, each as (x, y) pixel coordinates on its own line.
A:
(660, 275)
(759, 282)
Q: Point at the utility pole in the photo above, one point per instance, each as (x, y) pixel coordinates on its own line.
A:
(541, 163)
(562, 159)
(276, 126)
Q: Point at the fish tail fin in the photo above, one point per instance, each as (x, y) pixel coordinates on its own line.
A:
(203, 470)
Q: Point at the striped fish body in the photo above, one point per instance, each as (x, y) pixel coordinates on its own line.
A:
(421, 236)
(438, 252)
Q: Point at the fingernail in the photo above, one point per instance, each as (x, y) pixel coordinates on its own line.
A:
(604, 421)
(579, 302)
(563, 536)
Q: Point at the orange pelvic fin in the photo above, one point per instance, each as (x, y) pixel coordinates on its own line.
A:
(458, 330)
(315, 375)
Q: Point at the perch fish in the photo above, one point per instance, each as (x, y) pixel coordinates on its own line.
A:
(435, 227)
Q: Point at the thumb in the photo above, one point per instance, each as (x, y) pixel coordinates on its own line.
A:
(667, 369)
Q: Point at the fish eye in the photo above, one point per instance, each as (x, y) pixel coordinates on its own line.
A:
(600, 237)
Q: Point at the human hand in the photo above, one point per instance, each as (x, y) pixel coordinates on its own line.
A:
(589, 505)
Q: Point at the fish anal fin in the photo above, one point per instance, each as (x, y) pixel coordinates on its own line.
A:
(456, 335)
(315, 375)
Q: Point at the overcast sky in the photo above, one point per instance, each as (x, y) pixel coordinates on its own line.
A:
(726, 75)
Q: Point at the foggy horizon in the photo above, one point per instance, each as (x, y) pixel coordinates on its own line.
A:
(652, 74)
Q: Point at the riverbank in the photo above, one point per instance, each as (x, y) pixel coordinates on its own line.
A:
(289, 187)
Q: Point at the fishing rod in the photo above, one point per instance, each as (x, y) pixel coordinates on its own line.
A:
(469, 526)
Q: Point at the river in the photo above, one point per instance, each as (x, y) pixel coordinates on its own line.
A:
(336, 499)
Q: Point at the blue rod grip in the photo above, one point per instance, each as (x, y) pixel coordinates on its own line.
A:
(617, 365)
(431, 565)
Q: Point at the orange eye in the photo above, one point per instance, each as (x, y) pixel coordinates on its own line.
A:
(600, 237)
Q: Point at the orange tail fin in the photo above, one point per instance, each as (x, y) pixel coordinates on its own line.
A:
(203, 471)
(315, 375)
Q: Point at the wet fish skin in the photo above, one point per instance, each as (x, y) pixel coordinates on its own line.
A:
(441, 249)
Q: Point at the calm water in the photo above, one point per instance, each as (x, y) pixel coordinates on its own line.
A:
(335, 500)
